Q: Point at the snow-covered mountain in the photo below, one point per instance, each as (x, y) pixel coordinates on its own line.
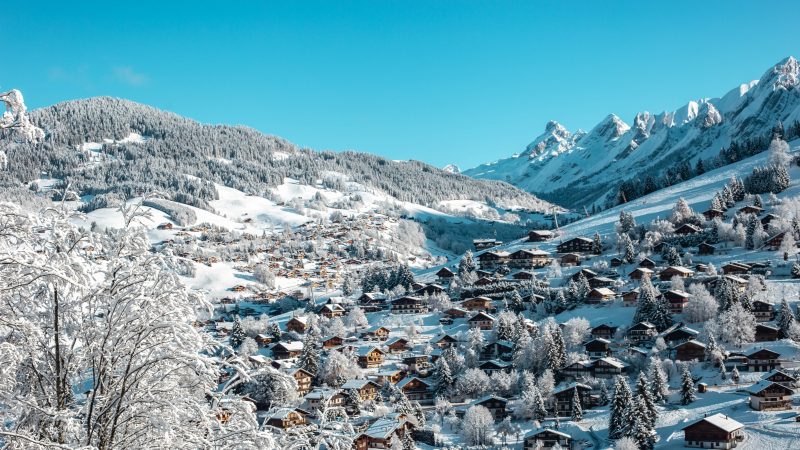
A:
(451, 168)
(583, 168)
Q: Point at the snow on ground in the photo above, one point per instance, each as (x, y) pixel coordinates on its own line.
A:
(239, 206)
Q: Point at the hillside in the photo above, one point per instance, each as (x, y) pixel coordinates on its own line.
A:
(587, 168)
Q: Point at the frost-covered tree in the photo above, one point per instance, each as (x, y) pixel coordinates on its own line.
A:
(619, 416)
(477, 425)
(263, 275)
(576, 414)
(356, 318)
(554, 347)
(597, 244)
(659, 387)
(737, 325)
(628, 251)
(626, 222)
(443, 376)
(681, 212)
(647, 404)
(237, 333)
(702, 306)
(687, 387)
(309, 356)
(268, 387)
(626, 443)
(338, 368)
(785, 319)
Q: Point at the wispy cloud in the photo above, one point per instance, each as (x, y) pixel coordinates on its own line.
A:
(129, 76)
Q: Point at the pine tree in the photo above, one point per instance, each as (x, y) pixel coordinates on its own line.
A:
(640, 429)
(408, 441)
(659, 388)
(515, 302)
(604, 395)
(646, 303)
(237, 333)
(785, 319)
(735, 374)
(716, 202)
(620, 408)
(687, 387)
(795, 270)
(626, 222)
(556, 350)
(628, 252)
(354, 399)
(644, 396)
(597, 244)
(444, 377)
(539, 408)
(726, 293)
(727, 198)
(661, 316)
(711, 348)
(309, 357)
(466, 265)
(753, 225)
(671, 256)
(274, 331)
(577, 410)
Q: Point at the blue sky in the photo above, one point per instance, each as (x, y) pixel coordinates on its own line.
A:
(439, 81)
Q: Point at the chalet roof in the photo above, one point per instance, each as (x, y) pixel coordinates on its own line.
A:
(481, 316)
(541, 232)
(692, 342)
(736, 279)
(677, 293)
(292, 346)
(570, 386)
(642, 270)
(763, 385)
(605, 326)
(301, 319)
(612, 362)
(322, 393)
(489, 397)
(384, 427)
(494, 363)
(375, 328)
(366, 350)
(444, 272)
(532, 252)
(684, 329)
(485, 241)
(680, 269)
(281, 413)
(533, 433)
(602, 291)
(642, 325)
(374, 295)
(395, 340)
(407, 380)
(600, 340)
(759, 350)
(579, 238)
(720, 421)
(774, 372)
(357, 384)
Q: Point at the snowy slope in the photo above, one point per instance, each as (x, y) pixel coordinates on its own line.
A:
(594, 163)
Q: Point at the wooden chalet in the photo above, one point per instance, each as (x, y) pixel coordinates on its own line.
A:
(528, 259)
(616, 262)
(570, 259)
(766, 333)
(598, 348)
(297, 324)
(493, 366)
(320, 396)
(677, 300)
(445, 341)
(496, 405)
(639, 273)
(303, 379)
(586, 273)
(456, 313)
(774, 242)
(604, 331)
(372, 301)
(398, 345)
(608, 367)
(690, 350)
(705, 248)
(332, 342)
(375, 333)
(524, 275)
(418, 363)
(782, 378)
(285, 418)
(642, 332)
(481, 320)
(735, 268)
(409, 305)
(477, 304)
(369, 357)
(770, 396)
(630, 298)
(578, 244)
(600, 295)
(366, 389)
(546, 438)
(491, 260)
(498, 349)
(675, 271)
(687, 228)
(392, 376)
(600, 282)
(648, 263)
(382, 433)
(751, 209)
(762, 360)
(416, 389)
(564, 395)
(287, 350)
(540, 235)
(483, 244)
(713, 213)
(430, 289)
(678, 333)
(331, 310)
(718, 431)
(485, 281)
(445, 275)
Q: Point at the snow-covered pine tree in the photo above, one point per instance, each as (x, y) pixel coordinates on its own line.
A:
(628, 252)
(309, 356)
(735, 374)
(661, 316)
(539, 408)
(659, 388)
(555, 347)
(753, 225)
(444, 377)
(640, 429)
(619, 416)
(687, 387)
(795, 272)
(785, 319)
(604, 395)
(646, 303)
(237, 333)
(597, 244)
(726, 293)
(577, 410)
(645, 398)
(626, 222)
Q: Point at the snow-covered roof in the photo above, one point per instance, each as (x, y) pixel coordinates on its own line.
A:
(570, 386)
(366, 350)
(356, 384)
(761, 386)
(383, 428)
(280, 413)
(293, 346)
(720, 421)
(549, 430)
(407, 380)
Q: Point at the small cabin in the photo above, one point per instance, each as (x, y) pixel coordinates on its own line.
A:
(763, 360)
(600, 295)
(598, 348)
(546, 438)
(687, 228)
(642, 332)
(690, 350)
(482, 321)
(769, 396)
(578, 244)
(705, 248)
(675, 271)
(539, 235)
(285, 418)
(369, 357)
